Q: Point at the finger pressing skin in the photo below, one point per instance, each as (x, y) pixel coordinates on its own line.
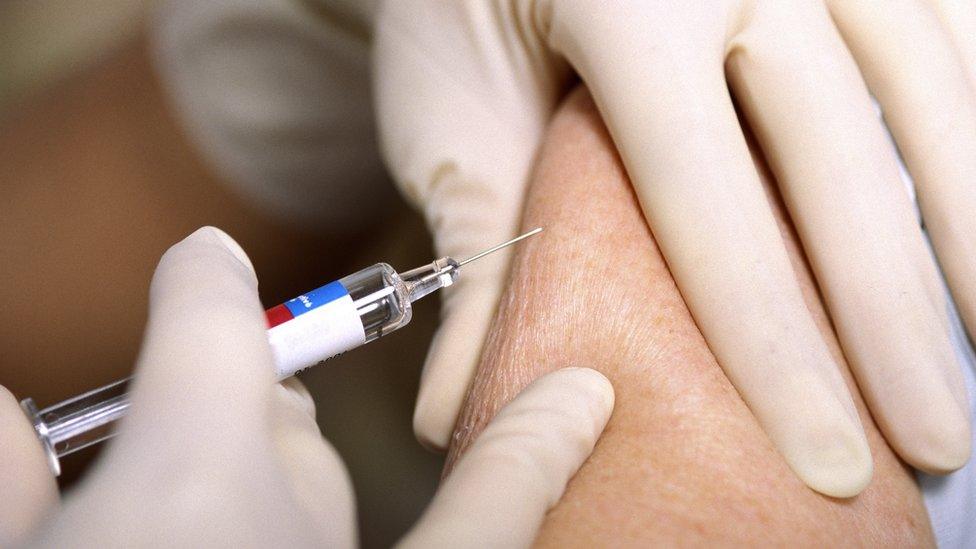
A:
(805, 98)
(517, 470)
(929, 104)
(29, 490)
(673, 121)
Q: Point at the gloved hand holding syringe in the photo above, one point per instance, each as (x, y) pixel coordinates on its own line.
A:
(302, 332)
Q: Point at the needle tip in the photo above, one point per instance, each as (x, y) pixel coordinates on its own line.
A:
(479, 255)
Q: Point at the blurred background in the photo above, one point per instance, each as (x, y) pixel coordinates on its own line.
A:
(98, 180)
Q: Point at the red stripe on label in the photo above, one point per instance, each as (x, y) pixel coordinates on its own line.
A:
(278, 315)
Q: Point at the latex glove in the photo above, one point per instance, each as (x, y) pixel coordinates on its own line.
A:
(464, 90)
(215, 453)
(275, 94)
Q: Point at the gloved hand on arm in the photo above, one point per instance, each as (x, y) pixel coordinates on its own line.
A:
(466, 89)
(214, 452)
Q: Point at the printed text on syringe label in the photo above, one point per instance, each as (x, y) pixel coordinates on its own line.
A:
(324, 323)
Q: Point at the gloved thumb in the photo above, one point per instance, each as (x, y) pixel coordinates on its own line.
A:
(29, 490)
(518, 468)
(205, 370)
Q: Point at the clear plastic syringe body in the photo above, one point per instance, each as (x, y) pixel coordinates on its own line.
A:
(312, 328)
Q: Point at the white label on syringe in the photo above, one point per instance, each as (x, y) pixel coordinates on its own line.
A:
(313, 327)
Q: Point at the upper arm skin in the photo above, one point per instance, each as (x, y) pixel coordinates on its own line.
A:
(682, 459)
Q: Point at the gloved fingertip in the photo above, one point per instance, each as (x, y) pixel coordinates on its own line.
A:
(581, 393)
(206, 336)
(18, 438)
(938, 444)
(588, 381)
(433, 421)
(518, 468)
(227, 242)
(836, 463)
(300, 395)
(29, 489)
(5, 394)
(845, 478)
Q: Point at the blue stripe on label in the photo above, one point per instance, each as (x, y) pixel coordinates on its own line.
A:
(316, 298)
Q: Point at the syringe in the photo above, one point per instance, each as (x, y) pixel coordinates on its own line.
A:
(302, 332)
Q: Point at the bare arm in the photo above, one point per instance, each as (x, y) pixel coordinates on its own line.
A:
(683, 458)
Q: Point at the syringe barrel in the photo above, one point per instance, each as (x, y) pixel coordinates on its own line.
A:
(302, 332)
(380, 298)
(79, 422)
(337, 317)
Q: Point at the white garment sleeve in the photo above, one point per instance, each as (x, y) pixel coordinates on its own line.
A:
(275, 95)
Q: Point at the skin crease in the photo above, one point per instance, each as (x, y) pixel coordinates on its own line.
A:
(682, 459)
